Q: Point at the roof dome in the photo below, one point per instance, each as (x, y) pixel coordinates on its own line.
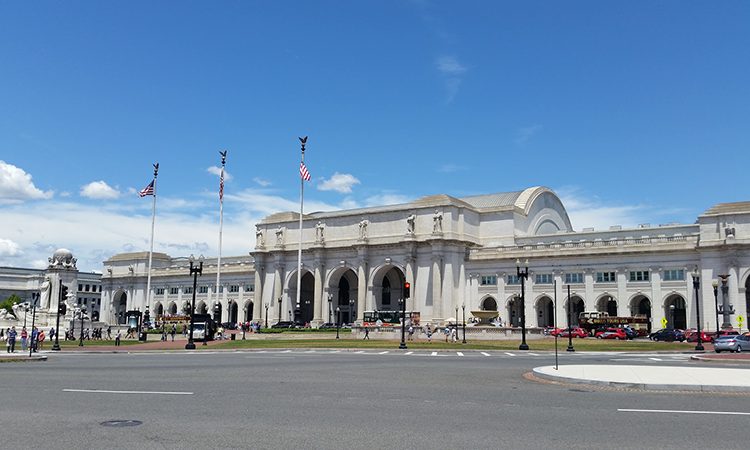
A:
(62, 254)
(62, 258)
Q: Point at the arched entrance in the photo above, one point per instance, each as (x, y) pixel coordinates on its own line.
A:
(676, 312)
(186, 308)
(545, 312)
(158, 310)
(388, 289)
(120, 307)
(172, 309)
(489, 304)
(578, 307)
(608, 305)
(233, 312)
(304, 311)
(217, 312)
(201, 308)
(640, 306)
(248, 308)
(514, 312)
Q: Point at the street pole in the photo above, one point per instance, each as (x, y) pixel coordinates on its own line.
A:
(81, 312)
(523, 275)
(266, 305)
(570, 331)
(34, 299)
(715, 285)
(726, 309)
(56, 347)
(696, 286)
(463, 309)
(194, 271)
(279, 309)
(338, 321)
(402, 345)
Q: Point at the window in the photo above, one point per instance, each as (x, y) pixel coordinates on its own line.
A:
(173, 290)
(513, 279)
(488, 280)
(234, 288)
(203, 290)
(250, 288)
(639, 275)
(674, 275)
(543, 278)
(80, 287)
(159, 291)
(188, 290)
(573, 278)
(605, 277)
(88, 287)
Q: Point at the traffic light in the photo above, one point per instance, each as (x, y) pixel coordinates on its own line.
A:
(407, 289)
(62, 308)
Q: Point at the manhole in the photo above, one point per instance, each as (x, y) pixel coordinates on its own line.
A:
(121, 423)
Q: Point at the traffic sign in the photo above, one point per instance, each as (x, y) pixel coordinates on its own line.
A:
(663, 322)
(740, 319)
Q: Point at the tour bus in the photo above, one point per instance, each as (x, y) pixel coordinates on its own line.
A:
(389, 318)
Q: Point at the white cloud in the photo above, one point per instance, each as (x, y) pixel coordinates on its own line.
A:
(99, 190)
(386, 199)
(9, 248)
(452, 71)
(16, 185)
(590, 212)
(525, 133)
(216, 170)
(261, 182)
(450, 168)
(339, 182)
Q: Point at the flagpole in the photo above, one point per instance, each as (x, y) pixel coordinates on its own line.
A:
(301, 203)
(221, 226)
(151, 250)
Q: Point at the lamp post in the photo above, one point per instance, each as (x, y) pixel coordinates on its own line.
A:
(194, 271)
(715, 285)
(62, 291)
(671, 314)
(570, 331)
(455, 325)
(352, 316)
(330, 307)
(463, 320)
(267, 305)
(696, 287)
(244, 312)
(726, 309)
(402, 345)
(523, 275)
(34, 301)
(279, 309)
(338, 321)
(81, 313)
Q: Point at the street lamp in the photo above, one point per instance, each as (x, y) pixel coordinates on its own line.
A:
(34, 301)
(352, 316)
(696, 287)
(726, 309)
(61, 308)
(267, 305)
(330, 307)
(523, 275)
(338, 321)
(570, 332)
(715, 285)
(463, 320)
(672, 315)
(402, 302)
(455, 325)
(81, 313)
(194, 271)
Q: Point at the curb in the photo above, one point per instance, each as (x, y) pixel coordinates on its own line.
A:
(641, 386)
(718, 359)
(22, 358)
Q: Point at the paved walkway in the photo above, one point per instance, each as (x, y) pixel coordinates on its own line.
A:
(703, 379)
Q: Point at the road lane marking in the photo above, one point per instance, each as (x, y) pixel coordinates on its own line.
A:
(359, 352)
(408, 353)
(382, 353)
(460, 353)
(533, 354)
(673, 411)
(655, 359)
(510, 354)
(101, 391)
(485, 354)
(434, 353)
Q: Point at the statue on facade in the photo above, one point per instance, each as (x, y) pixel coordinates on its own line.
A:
(279, 236)
(363, 228)
(44, 293)
(410, 223)
(437, 222)
(319, 232)
(729, 232)
(259, 238)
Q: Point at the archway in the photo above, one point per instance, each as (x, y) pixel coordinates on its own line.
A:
(217, 312)
(186, 308)
(489, 304)
(514, 312)
(304, 311)
(388, 289)
(158, 310)
(676, 312)
(120, 307)
(248, 308)
(607, 304)
(233, 312)
(640, 306)
(201, 308)
(172, 308)
(578, 307)
(747, 301)
(545, 312)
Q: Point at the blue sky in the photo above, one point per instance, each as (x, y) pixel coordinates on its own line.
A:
(633, 111)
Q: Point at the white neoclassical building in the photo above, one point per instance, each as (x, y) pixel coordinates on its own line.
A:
(458, 254)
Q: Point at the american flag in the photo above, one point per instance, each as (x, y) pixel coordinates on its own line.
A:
(148, 190)
(221, 186)
(303, 171)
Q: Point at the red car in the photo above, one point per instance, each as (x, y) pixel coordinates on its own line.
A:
(577, 332)
(691, 335)
(728, 332)
(612, 333)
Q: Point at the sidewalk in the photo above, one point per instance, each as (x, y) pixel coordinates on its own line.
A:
(659, 378)
(21, 357)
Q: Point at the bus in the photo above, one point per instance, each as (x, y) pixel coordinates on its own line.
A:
(388, 318)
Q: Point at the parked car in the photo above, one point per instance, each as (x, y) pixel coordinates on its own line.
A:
(229, 325)
(691, 335)
(285, 324)
(612, 333)
(577, 332)
(728, 332)
(327, 326)
(667, 335)
(551, 331)
(733, 343)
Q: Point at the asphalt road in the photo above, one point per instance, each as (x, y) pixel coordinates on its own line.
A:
(318, 399)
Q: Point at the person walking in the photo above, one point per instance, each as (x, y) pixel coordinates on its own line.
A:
(109, 332)
(51, 333)
(117, 338)
(24, 337)
(173, 331)
(12, 340)
(411, 333)
(428, 332)
(367, 334)
(40, 339)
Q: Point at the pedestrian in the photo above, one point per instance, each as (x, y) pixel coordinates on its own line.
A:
(428, 332)
(51, 333)
(411, 333)
(24, 337)
(40, 339)
(453, 334)
(367, 334)
(117, 338)
(446, 332)
(34, 338)
(109, 332)
(174, 331)
(11, 343)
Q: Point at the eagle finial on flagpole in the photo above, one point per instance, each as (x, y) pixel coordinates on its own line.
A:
(303, 140)
(156, 169)
(223, 156)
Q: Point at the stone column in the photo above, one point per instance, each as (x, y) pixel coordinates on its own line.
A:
(438, 310)
(362, 283)
(318, 300)
(657, 301)
(259, 278)
(278, 289)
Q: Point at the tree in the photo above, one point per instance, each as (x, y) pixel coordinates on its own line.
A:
(8, 303)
